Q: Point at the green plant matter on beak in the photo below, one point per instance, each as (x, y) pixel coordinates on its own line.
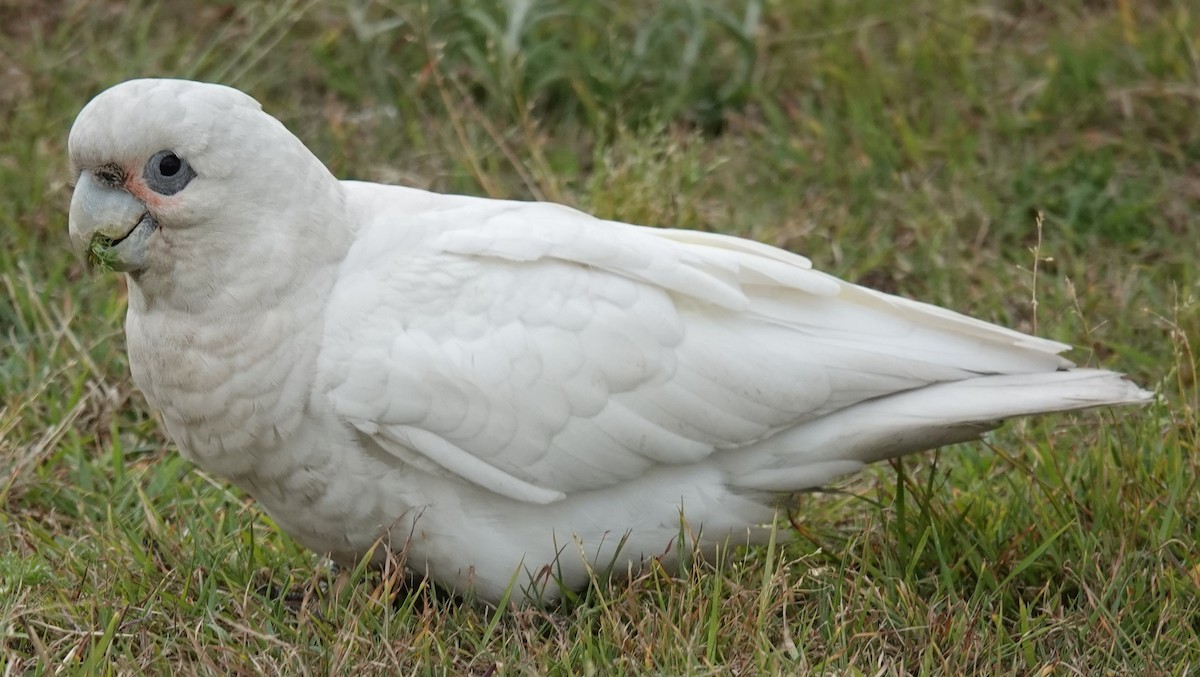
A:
(101, 253)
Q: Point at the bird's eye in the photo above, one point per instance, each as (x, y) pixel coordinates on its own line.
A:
(169, 165)
(166, 173)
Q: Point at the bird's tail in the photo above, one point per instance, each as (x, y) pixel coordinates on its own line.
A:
(813, 453)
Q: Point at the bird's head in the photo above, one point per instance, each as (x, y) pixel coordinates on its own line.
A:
(183, 182)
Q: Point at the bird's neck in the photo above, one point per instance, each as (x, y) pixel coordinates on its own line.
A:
(226, 347)
(234, 384)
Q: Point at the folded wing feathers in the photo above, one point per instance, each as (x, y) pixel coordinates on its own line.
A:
(880, 343)
(714, 268)
(465, 465)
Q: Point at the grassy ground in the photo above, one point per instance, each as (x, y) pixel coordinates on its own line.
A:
(909, 146)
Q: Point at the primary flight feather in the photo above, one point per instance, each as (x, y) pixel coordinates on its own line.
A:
(499, 390)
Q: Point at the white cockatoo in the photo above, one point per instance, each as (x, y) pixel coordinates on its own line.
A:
(509, 394)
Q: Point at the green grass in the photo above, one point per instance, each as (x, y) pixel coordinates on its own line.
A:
(909, 146)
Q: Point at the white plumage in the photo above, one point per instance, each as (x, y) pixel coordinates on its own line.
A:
(503, 389)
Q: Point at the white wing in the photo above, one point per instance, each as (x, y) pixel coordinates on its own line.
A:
(536, 351)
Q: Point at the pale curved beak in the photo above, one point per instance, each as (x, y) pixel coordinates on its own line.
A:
(108, 226)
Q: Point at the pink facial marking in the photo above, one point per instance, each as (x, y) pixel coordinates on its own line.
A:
(137, 187)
